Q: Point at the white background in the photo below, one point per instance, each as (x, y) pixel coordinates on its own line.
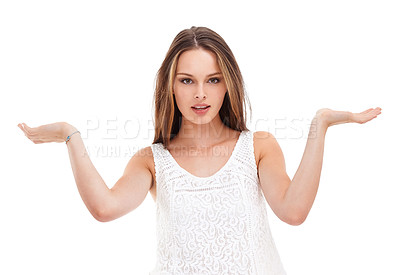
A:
(89, 62)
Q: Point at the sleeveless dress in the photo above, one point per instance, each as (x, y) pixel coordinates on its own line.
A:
(213, 225)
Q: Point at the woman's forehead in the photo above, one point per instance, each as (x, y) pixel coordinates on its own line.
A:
(197, 61)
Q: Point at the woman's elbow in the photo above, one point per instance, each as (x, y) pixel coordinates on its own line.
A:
(101, 215)
(296, 222)
(296, 219)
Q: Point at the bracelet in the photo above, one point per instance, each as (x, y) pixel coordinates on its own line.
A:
(69, 137)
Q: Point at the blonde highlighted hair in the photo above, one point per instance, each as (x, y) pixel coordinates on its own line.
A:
(168, 118)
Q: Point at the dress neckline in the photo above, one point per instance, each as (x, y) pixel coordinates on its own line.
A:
(234, 152)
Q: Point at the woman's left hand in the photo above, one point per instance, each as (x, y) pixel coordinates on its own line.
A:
(330, 117)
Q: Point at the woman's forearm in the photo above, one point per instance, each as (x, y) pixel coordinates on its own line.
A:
(301, 193)
(91, 186)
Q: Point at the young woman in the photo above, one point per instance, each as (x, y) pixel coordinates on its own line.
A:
(208, 174)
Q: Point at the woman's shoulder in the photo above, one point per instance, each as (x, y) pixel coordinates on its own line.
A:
(145, 155)
(262, 135)
(143, 158)
(262, 142)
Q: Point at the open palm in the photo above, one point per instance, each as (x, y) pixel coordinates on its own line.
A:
(53, 132)
(332, 117)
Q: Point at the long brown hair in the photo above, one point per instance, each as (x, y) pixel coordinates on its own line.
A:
(168, 118)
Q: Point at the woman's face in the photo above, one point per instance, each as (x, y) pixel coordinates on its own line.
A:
(198, 81)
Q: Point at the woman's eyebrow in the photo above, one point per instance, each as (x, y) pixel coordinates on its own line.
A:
(213, 74)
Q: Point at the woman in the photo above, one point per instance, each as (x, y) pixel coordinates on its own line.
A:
(208, 174)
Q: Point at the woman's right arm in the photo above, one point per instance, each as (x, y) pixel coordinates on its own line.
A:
(103, 203)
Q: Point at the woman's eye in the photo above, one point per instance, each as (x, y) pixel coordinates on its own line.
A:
(214, 80)
(186, 81)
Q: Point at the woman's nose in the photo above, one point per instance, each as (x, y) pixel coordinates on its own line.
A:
(200, 92)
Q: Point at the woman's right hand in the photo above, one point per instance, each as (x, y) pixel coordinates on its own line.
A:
(54, 132)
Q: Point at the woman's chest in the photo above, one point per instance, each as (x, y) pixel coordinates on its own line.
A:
(204, 164)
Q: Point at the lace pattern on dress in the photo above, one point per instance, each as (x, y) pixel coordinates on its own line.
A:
(213, 225)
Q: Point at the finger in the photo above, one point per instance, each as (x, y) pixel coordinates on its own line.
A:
(22, 129)
(22, 126)
(374, 113)
(371, 111)
(29, 130)
(369, 117)
(366, 111)
(26, 132)
(377, 110)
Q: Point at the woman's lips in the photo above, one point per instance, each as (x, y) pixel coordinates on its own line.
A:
(201, 111)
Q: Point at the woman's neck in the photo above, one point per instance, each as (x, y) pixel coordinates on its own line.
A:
(203, 135)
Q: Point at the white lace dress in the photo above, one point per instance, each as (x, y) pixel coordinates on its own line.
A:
(213, 225)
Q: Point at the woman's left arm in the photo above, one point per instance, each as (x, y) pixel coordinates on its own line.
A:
(300, 195)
